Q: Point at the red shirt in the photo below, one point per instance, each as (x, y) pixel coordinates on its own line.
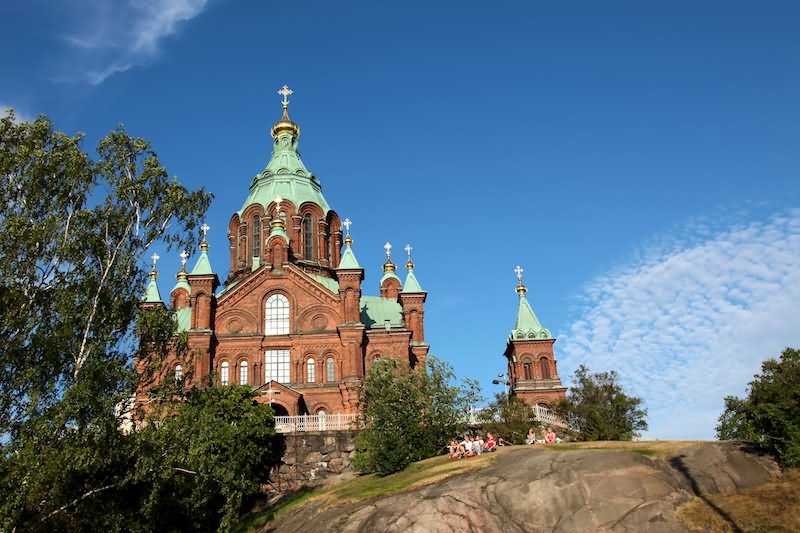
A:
(491, 442)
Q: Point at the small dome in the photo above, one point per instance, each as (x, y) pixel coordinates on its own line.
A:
(285, 124)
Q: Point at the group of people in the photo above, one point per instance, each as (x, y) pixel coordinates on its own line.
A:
(548, 437)
(473, 445)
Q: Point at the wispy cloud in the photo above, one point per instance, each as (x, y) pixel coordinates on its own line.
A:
(116, 36)
(690, 322)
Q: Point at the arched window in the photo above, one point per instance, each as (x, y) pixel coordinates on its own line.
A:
(243, 373)
(256, 236)
(330, 372)
(308, 236)
(223, 373)
(310, 371)
(544, 366)
(277, 315)
(178, 373)
(526, 366)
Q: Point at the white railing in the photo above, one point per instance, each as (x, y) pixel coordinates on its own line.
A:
(541, 414)
(297, 424)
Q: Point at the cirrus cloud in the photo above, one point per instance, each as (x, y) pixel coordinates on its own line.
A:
(690, 321)
(116, 36)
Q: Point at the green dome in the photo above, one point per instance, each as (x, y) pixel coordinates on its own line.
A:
(285, 176)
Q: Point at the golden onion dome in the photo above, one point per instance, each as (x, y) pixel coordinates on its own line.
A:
(285, 124)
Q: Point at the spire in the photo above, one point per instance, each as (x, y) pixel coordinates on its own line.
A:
(527, 326)
(278, 224)
(203, 266)
(411, 284)
(182, 276)
(285, 175)
(151, 294)
(389, 267)
(348, 260)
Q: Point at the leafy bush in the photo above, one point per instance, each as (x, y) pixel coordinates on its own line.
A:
(409, 414)
(598, 408)
(770, 415)
(508, 418)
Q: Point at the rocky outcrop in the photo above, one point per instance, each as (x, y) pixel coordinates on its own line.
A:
(542, 490)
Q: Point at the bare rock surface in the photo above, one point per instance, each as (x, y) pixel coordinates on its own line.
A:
(537, 490)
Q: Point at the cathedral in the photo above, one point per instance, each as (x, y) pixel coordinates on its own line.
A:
(291, 319)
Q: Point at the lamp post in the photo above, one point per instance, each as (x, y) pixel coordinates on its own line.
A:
(503, 379)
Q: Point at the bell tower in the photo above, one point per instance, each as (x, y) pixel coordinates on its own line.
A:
(532, 367)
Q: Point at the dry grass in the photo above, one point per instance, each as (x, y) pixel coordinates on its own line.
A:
(659, 449)
(773, 507)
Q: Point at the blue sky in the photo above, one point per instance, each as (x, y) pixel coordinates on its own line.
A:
(640, 161)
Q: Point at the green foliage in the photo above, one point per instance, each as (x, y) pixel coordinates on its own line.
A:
(598, 408)
(770, 415)
(508, 418)
(409, 414)
(211, 457)
(74, 231)
(193, 471)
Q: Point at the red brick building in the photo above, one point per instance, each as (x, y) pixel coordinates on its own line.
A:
(532, 368)
(291, 320)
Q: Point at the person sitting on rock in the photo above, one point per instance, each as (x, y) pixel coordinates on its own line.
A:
(468, 446)
(491, 443)
(530, 438)
(550, 437)
(478, 444)
(455, 449)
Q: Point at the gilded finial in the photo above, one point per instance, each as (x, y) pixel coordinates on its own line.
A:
(154, 272)
(347, 223)
(277, 220)
(409, 263)
(388, 266)
(285, 123)
(184, 257)
(521, 289)
(204, 230)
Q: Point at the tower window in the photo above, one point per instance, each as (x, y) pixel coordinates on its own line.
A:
(310, 371)
(308, 236)
(178, 374)
(243, 373)
(277, 315)
(276, 366)
(544, 366)
(526, 367)
(223, 373)
(330, 371)
(256, 236)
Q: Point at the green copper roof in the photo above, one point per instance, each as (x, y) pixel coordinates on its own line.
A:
(151, 294)
(348, 259)
(285, 176)
(527, 325)
(375, 311)
(183, 317)
(330, 284)
(182, 284)
(202, 266)
(412, 285)
(390, 274)
(280, 232)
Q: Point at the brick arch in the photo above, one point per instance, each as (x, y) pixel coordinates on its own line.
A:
(305, 319)
(237, 321)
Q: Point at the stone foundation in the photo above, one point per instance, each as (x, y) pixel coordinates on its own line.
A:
(313, 459)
